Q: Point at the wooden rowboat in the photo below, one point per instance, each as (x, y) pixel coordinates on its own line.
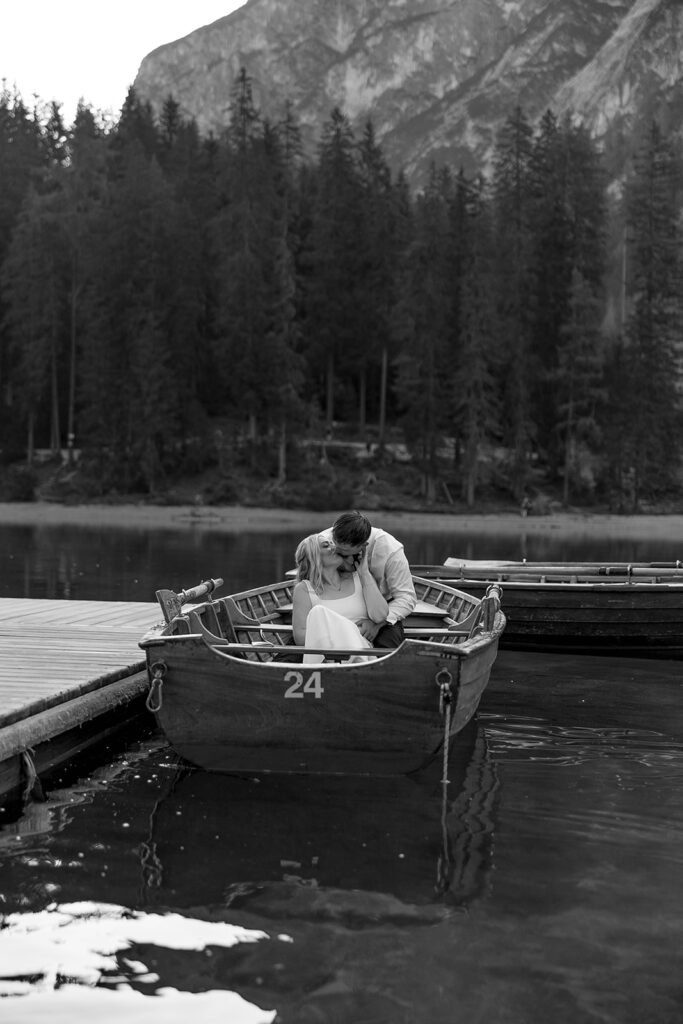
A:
(617, 608)
(230, 691)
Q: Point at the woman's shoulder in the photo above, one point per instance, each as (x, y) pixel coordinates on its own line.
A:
(302, 587)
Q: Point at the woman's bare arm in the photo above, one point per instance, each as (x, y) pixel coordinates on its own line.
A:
(301, 606)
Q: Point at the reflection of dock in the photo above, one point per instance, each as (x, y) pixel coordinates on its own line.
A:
(39, 818)
(70, 675)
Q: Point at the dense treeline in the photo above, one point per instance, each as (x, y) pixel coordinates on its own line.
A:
(168, 301)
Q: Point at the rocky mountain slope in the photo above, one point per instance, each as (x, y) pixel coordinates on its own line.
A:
(437, 77)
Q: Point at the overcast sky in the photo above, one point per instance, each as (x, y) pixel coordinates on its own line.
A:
(91, 49)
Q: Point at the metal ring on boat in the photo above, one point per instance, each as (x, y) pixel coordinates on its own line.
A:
(158, 671)
(443, 677)
(443, 680)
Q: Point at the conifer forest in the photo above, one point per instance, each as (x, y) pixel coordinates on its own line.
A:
(171, 302)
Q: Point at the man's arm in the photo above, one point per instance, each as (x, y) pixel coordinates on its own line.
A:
(375, 602)
(402, 597)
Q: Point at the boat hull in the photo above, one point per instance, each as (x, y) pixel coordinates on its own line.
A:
(222, 713)
(614, 619)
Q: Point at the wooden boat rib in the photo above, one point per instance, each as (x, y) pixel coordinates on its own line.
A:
(598, 608)
(231, 693)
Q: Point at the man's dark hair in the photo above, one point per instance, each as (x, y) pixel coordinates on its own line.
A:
(351, 529)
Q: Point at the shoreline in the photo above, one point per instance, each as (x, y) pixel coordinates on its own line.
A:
(234, 518)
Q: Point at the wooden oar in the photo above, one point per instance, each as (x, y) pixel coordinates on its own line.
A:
(602, 567)
(520, 571)
(171, 603)
(201, 590)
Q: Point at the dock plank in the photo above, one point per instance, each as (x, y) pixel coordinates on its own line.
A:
(53, 651)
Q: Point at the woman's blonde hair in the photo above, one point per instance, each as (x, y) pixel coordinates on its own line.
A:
(308, 559)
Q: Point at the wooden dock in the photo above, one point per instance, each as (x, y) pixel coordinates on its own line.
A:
(71, 673)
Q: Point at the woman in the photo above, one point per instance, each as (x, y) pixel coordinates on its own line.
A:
(332, 609)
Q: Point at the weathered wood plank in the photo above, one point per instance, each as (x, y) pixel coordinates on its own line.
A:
(62, 733)
(71, 672)
(54, 651)
(69, 715)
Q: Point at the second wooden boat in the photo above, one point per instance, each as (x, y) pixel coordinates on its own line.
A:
(607, 608)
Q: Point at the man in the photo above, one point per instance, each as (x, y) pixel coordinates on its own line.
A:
(354, 537)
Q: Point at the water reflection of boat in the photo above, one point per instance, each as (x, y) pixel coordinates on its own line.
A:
(217, 838)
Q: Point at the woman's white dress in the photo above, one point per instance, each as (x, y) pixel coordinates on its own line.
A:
(331, 624)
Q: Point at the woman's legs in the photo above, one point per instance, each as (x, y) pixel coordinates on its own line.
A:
(327, 629)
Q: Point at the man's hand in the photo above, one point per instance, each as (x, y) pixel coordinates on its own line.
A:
(368, 628)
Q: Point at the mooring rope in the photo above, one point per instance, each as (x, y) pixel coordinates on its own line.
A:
(33, 787)
(151, 865)
(446, 741)
(444, 680)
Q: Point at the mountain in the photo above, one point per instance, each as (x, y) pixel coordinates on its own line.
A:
(437, 77)
(636, 76)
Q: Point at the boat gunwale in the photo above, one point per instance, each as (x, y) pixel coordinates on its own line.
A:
(410, 646)
(159, 634)
(596, 585)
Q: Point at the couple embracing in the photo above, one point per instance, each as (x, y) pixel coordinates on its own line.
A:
(354, 588)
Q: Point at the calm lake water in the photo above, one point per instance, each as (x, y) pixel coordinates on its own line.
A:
(545, 888)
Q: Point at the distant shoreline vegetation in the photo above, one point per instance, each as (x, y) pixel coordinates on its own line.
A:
(179, 307)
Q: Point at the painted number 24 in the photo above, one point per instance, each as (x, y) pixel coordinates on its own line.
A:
(299, 688)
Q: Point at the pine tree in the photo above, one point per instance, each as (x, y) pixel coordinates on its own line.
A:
(136, 126)
(82, 185)
(136, 269)
(334, 326)
(403, 234)
(653, 326)
(285, 409)
(475, 391)
(23, 159)
(550, 267)
(33, 275)
(378, 256)
(241, 232)
(55, 136)
(568, 230)
(579, 378)
(425, 309)
(513, 207)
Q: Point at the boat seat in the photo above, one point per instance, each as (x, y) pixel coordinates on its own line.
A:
(267, 636)
(216, 623)
(238, 617)
(180, 624)
(439, 632)
(486, 612)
